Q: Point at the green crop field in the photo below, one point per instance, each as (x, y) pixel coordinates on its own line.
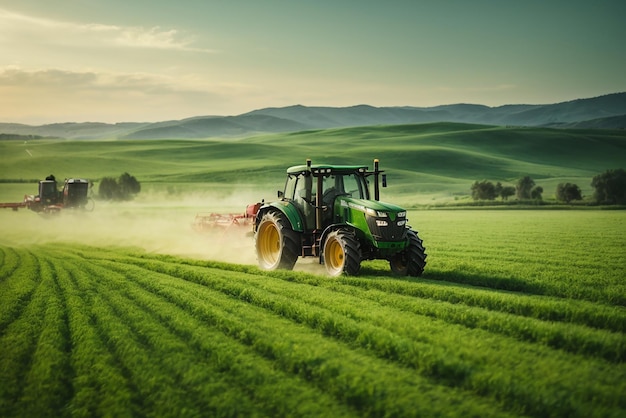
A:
(127, 311)
(425, 163)
(519, 313)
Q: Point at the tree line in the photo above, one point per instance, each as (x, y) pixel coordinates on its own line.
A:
(610, 188)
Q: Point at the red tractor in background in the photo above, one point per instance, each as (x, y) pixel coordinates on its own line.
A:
(74, 195)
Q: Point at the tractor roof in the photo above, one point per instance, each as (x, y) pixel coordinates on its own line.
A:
(327, 169)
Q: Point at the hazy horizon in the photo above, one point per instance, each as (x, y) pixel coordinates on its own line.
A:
(293, 105)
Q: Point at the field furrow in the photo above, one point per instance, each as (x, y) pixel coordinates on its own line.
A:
(19, 343)
(46, 384)
(99, 385)
(568, 337)
(232, 378)
(301, 351)
(366, 325)
(552, 309)
(574, 255)
(501, 324)
(9, 261)
(17, 288)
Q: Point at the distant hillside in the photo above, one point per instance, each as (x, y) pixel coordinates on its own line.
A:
(519, 115)
(72, 130)
(203, 127)
(612, 122)
(604, 112)
(423, 161)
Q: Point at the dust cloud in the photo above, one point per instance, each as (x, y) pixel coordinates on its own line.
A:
(152, 223)
(155, 222)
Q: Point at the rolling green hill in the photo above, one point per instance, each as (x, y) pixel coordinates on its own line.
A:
(423, 162)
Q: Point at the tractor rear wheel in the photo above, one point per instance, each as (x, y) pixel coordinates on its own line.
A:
(412, 260)
(277, 245)
(342, 253)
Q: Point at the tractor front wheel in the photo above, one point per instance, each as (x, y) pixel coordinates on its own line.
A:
(277, 245)
(412, 260)
(342, 253)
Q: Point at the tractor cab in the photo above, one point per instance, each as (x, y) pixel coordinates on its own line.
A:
(306, 183)
(48, 193)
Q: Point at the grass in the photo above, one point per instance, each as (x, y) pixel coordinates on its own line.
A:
(519, 313)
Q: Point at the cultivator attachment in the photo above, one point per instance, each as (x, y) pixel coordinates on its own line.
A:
(14, 206)
(212, 221)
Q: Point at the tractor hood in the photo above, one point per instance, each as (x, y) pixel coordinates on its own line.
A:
(372, 207)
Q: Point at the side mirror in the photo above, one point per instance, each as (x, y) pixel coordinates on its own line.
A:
(280, 194)
(384, 180)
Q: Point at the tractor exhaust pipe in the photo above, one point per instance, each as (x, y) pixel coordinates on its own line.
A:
(376, 185)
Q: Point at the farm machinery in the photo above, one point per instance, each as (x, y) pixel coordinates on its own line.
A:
(211, 221)
(50, 199)
(326, 211)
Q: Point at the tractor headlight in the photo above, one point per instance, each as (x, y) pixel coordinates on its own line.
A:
(376, 213)
(381, 222)
(402, 214)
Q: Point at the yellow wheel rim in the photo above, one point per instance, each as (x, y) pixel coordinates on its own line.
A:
(269, 244)
(334, 257)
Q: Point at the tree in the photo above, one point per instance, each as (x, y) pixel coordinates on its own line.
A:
(566, 192)
(498, 189)
(128, 185)
(124, 188)
(536, 192)
(506, 192)
(610, 187)
(108, 188)
(524, 187)
(484, 190)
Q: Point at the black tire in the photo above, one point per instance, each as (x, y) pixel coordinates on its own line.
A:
(342, 253)
(411, 261)
(277, 245)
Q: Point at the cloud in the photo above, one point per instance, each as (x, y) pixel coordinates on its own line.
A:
(15, 77)
(23, 29)
(479, 89)
(75, 82)
(53, 95)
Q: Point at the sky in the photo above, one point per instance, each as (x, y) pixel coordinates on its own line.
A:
(153, 60)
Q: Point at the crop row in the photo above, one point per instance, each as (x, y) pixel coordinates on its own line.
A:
(546, 322)
(359, 323)
(438, 364)
(565, 254)
(95, 331)
(297, 351)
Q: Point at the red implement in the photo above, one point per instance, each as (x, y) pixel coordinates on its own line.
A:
(209, 221)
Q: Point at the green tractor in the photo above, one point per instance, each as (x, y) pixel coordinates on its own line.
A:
(325, 211)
